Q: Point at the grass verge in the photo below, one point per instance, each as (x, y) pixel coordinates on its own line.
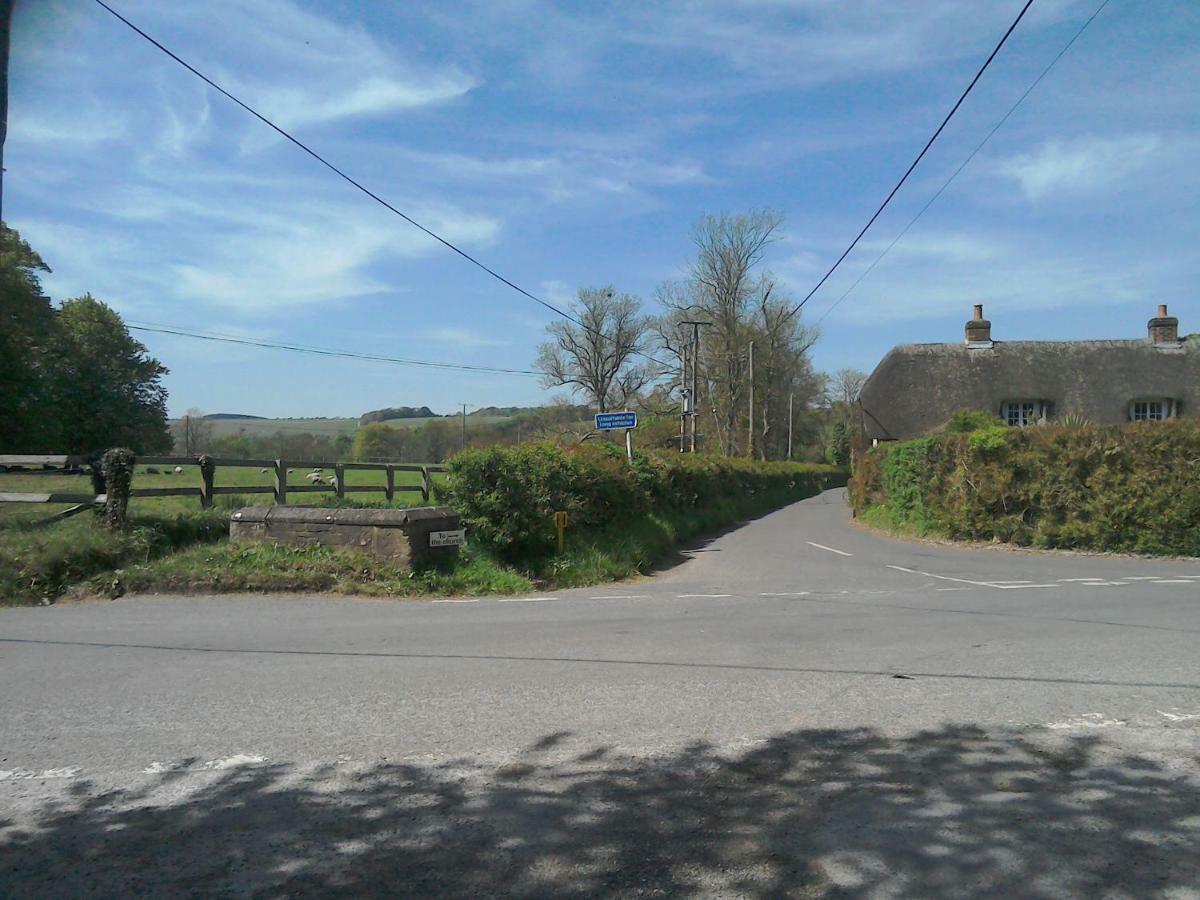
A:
(191, 553)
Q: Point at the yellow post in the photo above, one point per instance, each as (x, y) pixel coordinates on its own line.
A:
(560, 523)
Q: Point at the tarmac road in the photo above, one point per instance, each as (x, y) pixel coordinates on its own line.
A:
(797, 708)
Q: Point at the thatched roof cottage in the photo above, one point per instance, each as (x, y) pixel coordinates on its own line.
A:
(916, 387)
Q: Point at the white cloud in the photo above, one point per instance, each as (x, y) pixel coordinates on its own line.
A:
(1080, 165)
(462, 338)
(264, 263)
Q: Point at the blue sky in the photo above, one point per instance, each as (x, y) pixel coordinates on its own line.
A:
(571, 144)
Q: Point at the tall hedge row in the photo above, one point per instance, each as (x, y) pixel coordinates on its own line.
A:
(508, 496)
(1131, 488)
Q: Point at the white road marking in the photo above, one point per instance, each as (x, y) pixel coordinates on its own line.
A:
(524, 599)
(212, 765)
(1000, 586)
(787, 594)
(27, 775)
(1179, 717)
(1023, 581)
(702, 596)
(1087, 720)
(476, 600)
(622, 597)
(1093, 578)
(830, 549)
(1171, 581)
(950, 589)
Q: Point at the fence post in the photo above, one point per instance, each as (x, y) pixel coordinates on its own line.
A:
(207, 469)
(390, 490)
(425, 484)
(280, 482)
(339, 478)
(118, 478)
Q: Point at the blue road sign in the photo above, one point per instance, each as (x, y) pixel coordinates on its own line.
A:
(615, 421)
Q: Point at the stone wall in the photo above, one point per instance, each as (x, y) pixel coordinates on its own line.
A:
(397, 536)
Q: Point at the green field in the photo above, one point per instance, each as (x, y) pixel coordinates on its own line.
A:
(190, 477)
(326, 427)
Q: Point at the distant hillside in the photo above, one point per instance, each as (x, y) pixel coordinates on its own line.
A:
(396, 412)
(221, 416)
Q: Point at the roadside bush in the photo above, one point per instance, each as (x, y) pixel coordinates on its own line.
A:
(508, 496)
(1131, 488)
(965, 421)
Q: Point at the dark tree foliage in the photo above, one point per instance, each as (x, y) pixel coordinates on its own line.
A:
(72, 379)
(111, 388)
(26, 357)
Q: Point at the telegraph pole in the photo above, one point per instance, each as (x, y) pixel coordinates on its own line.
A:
(750, 434)
(687, 399)
(464, 426)
(790, 398)
(6, 11)
(695, 398)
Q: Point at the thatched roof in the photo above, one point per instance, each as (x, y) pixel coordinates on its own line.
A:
(916, 387)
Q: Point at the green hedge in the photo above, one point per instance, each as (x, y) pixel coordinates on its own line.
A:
(1131, 488)
(508, 496)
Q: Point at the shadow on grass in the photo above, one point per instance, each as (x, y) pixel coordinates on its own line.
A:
(949, 812)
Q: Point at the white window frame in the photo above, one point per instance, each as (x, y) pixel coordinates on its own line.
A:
(1151, 409)
(1023, 413)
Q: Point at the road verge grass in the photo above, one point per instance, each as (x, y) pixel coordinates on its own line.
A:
(623, 521)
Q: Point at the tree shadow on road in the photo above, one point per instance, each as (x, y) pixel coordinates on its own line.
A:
(955, 811)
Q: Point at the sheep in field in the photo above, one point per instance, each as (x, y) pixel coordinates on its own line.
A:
(179, 470)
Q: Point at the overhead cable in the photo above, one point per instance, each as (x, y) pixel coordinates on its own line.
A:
(920, 156)
(326, 351)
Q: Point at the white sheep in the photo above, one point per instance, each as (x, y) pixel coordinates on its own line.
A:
(262, 471)
(332, 480)
(313, 477)
(179, 470)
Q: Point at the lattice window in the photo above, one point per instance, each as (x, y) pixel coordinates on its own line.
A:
(1019, 413)
(1151, 410)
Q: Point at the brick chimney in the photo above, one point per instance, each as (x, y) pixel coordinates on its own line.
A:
(1163, 329)
(979, 329)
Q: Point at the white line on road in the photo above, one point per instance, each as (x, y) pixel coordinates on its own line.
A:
(830, 549)
(622, 597)
(703, 596)
(26, 774)
(524, 599)
(1001, 586)
(787, 594)
(1172, 581)
(475, 600)
(1179, 717)
(213, 765)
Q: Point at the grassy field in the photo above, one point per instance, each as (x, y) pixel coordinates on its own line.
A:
(326, 427)
(190, 477)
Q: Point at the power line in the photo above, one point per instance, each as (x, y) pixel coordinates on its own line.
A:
(347, 178)
(326, 351)
(920, 156)
(1012, 109)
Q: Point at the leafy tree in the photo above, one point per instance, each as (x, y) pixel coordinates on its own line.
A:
(110, 390)
(27, 360)
(375, 441)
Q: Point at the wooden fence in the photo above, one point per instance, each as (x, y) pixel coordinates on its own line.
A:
(35, 465)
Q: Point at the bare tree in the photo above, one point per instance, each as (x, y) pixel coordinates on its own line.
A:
(846, 385)
(722, 289)
(193, 432)
(600, 356)
(783, 367)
